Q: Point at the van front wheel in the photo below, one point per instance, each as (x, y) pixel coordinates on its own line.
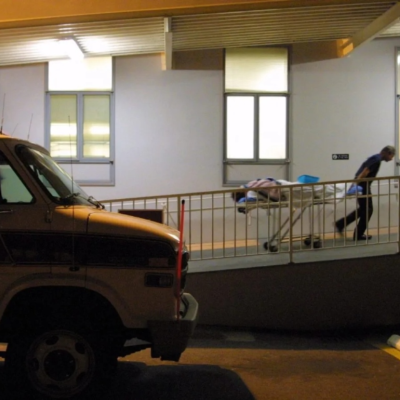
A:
(57, 363)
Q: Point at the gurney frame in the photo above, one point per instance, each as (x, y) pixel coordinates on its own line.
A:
(281, 234)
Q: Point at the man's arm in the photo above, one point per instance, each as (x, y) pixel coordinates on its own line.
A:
(363, 173)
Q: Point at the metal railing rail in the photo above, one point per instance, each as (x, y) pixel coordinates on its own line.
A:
(301, 219)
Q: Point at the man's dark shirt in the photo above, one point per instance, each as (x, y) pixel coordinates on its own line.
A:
(372, 163)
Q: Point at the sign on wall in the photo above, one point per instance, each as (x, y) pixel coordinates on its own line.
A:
(340, 157)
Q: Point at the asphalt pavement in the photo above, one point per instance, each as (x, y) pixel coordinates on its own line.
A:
(241, 364)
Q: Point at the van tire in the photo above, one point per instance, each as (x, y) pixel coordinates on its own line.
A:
(56, 363)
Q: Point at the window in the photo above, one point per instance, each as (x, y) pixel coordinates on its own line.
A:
(80, 117)
(256, 113)
(51, 177)
(12, 189)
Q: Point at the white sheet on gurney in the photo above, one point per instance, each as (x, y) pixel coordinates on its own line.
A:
(303, 195)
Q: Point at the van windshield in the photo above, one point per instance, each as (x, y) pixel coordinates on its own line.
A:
(52, 178)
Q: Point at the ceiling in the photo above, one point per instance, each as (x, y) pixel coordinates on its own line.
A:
(335, 22)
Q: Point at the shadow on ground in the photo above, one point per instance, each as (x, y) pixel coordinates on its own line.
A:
(137, 381)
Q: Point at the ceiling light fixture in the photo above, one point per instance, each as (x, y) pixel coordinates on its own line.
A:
(71, 48)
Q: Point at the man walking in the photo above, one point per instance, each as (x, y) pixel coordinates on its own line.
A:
(368, 169)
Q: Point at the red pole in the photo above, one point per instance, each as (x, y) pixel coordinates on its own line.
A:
(179, 263)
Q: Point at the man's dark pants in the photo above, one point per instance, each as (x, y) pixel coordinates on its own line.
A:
(363, 212)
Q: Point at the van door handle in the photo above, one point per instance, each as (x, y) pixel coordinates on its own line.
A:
(6, 211)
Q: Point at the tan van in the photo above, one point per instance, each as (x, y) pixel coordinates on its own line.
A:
(81, 286)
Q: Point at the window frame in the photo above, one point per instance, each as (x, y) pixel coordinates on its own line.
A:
(255, 161)
(80, 159)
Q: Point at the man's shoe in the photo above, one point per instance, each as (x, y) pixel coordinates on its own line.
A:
(339, 229)
(364, 237)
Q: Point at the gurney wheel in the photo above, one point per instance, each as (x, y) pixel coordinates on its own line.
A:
(317, 242)
(271, 247)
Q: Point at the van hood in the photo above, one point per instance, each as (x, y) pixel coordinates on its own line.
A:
(105, 222)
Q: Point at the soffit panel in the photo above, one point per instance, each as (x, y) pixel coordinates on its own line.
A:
(278, 26)
(272, 26)
(115, 38)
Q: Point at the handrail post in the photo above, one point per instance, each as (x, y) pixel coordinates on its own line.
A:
(291, 212)
(398, 214)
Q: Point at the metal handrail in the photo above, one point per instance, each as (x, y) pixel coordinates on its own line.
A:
(214, 228)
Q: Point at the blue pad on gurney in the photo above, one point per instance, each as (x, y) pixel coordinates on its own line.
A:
(354, 190)
(246, 199)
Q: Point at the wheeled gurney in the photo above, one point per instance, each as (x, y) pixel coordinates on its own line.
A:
(297, 199)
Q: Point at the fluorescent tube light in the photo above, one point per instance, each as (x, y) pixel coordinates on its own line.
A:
(71, 49)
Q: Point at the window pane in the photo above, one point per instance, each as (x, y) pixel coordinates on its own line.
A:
(87, 74)
(63, 126)
(13, 190)
(272, 128)
(96, 126)
(256, 70)
(240, 127)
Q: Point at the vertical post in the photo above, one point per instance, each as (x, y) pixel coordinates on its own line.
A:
(398, 214)
(179, 262)
(291, 211)
(167, 59)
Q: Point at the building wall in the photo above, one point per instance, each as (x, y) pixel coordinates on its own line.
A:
(22, 101)
(343, 106)
(169, 129)
(169, 124)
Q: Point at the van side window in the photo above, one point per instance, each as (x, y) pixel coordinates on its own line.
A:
(12, 189)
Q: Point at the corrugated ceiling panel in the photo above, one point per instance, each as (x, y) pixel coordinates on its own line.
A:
(278, 26)
(393, 31)
(37, 44)
(194, 32)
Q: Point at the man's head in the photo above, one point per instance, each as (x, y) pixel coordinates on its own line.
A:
(387, 153)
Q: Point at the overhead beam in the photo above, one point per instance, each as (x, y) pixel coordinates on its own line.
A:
(318, 51)
(315, 51)
(24, 13)
(371, 31)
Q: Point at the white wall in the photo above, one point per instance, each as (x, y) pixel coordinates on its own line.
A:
(169, 124)
(22, 97)
(168, 129)
(344, 106)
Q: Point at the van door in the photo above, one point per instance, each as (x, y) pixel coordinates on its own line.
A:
(69, 225)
